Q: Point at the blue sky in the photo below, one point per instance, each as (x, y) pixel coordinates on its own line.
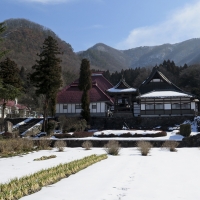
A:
(121, 24)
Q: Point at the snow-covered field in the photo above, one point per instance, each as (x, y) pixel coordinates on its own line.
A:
(162, 175)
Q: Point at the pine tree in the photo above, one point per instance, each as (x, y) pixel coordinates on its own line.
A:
(2, 29)
(10, 82)
(47, 74)
(85, 85)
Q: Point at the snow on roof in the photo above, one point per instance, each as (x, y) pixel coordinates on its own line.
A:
(121, 90)
(161, 94)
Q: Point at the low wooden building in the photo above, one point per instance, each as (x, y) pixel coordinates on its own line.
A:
(69, 98)
(160, 97)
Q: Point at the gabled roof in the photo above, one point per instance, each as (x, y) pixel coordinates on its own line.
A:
(121, 87)
(165, 94)
(72, 94)
(13, 104)
(165, 85)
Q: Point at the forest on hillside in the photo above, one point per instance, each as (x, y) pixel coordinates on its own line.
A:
(23, 39)
(186, 77)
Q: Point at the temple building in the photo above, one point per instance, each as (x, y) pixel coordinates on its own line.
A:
(157, 96)
(124, 99)
(160, 97)
(69, 98)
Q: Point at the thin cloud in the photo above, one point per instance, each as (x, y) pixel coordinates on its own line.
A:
(96, 26)
(181, 25)
(47, 1)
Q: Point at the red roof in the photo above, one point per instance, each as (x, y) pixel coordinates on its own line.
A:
(72, 94)
(12, 104)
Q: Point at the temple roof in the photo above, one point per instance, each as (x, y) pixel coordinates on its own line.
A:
(72, 94)
(122, 87)
(165, 85)
(165, 94)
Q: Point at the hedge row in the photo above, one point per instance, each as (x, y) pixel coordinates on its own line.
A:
(79, 134)
(158, 134)
(17, 188)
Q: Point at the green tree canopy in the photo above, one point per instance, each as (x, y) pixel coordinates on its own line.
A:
(85, 83)
(11, 84)
(2, 29)
(46, 77)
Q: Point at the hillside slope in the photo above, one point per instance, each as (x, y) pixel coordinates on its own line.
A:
(24, 39)
(108, 58)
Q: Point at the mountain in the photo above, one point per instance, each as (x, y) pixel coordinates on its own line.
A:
(106, 57)
(24, 39)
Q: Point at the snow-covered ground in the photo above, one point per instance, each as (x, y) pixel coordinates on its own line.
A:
(162, 175)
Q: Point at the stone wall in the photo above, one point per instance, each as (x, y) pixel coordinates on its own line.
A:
(136, 122)
(192, 141)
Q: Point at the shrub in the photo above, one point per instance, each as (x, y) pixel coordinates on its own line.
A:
(128, 134)
(112, 147)
(43, 144)
(63, 135)
(87, 145)
(74, 124)
(144, 147)
(45, 158)
(15, 146)
(185, 130)
(28, 145)
(82, 134)
(51, 126)
(171, 145)
(60, 145)
(62, 120)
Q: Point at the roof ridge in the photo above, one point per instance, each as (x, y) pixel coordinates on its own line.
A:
(105, 94)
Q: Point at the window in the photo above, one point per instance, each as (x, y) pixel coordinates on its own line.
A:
(94, 106)
(185, 106)
(78, 106)
(65, 106)
(176, 106)
(156, 80)
(119, 101)
(149, 106)
(159, 106)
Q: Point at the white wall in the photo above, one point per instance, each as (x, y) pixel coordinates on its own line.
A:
(142, 106)
(100, 108)
(192, 105)
(167, 106)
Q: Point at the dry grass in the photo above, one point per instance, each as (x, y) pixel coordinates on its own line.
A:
(15, 146)
(87, 145)
(17, 188)
(144, 147)
(43, 144)
(112, 147)
(171, 145)
(60, 145)
(45, 157)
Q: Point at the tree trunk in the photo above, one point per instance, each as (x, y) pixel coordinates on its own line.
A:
(3, 109)
(45, 114)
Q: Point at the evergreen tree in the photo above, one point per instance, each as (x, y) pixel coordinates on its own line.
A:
(10, 82)
(2, 29)
(85, 84)
(47, 74)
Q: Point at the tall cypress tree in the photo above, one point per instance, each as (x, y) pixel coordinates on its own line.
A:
(10, 82)
(2, 29)
(47, 74)
(85, 84)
